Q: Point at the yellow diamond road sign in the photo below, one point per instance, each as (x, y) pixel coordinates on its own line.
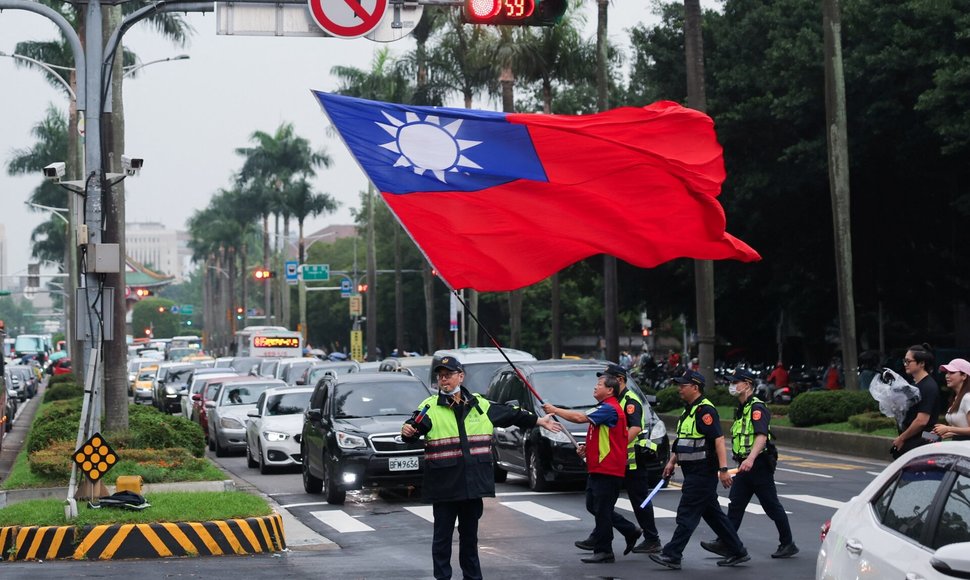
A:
(95, 457)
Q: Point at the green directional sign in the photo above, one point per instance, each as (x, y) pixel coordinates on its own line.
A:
(315, 272)
(4, 292)
(187, 309)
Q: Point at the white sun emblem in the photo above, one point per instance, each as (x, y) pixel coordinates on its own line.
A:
(427, 145)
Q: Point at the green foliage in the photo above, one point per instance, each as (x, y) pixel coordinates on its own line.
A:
(720, 397)
(819, 407)
(58, 379)
(778, 410)
(872, 421)
(668, 399)
(62, 391)
(56, 421)
(145, 314)
(154, 465)
(150, 429)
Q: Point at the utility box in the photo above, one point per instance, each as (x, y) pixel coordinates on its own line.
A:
(130, 483)
(104, 258)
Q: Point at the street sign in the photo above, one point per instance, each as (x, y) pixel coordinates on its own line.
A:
(346, 288)
(292, 271)
(315, 272)
(357, 345)
(175, 309)
(188, 309)
(347, 18)
(356, 305)
(30, 292)
(398, 22)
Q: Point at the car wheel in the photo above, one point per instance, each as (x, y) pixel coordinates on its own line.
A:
(334, 495)
(500, 474)
(250, 462)
(212, 444)
(537, 475)
(311, 483)
(220, 450)
(263, 468)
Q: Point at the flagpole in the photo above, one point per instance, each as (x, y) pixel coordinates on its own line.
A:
(514, 368)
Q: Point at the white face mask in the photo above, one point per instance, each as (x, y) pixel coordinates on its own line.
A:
(733, 389)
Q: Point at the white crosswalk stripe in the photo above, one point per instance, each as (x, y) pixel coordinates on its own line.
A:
(425, 512)
(658, 512)
(540, 512)
(341, 521)
(812, 499)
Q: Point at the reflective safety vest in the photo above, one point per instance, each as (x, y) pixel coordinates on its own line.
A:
(443, 442)
(642, 439)
(604, 445)
(742, 431)
(691, 445)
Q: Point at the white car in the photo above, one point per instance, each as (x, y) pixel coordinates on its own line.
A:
(195, 384)
(480, 364)
(912, 521)
(273, 430)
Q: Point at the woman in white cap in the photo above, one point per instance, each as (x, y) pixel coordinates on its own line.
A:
(958, 415)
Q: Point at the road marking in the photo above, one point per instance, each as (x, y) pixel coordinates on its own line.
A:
(823, 465)
(658, 512)
(293, 505)
(874, 473)
(805, 472)
(816, 500)
(425, 512)
(540, 512)
(751, 508)
(341, 521)
(521, 493)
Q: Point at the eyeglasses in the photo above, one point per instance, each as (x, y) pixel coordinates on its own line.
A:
(446, 374)
(906, 361)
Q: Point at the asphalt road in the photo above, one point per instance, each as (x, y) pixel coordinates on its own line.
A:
(523, 534)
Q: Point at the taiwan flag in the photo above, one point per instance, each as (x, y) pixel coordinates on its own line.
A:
(499, 201)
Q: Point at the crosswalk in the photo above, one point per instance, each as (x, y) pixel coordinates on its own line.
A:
(343, 522)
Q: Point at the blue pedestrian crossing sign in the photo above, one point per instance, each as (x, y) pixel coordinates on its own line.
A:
(292, 272)
(345, 288)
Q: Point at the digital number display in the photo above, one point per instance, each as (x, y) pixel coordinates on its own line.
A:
(276, 342)
(519, 8)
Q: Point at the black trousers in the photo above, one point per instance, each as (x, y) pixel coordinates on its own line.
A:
(601, 494)
(467, 512)
(760, 481)
(638, 484)
(698, 500)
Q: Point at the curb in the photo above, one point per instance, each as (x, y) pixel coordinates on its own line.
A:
(12, 496)
(157, 540)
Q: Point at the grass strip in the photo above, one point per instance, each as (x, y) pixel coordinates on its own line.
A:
(165, 507)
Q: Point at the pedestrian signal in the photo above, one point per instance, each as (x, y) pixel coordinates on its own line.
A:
(143, 292)
(262, 274)
(514, 12)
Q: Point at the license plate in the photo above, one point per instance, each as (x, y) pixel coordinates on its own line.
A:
(402, 463)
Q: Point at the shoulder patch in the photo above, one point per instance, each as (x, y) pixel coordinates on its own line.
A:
(756, 415)
(630, 408)
(707, 419)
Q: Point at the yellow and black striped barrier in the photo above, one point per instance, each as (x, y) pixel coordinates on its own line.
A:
(160, 540)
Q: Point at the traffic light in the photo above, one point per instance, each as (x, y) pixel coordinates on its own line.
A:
(33, 275)
(143, 293)
(515, 12)
(361, 288)
(262, 274)
(161, 309)
(239, 312)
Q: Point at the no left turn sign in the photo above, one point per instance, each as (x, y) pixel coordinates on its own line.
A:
(347, 18)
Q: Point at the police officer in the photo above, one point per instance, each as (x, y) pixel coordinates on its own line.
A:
(757, 457)
(699, 449)
(458, 471)
(605, 453)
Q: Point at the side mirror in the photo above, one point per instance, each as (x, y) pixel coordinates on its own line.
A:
(197, 397)
(953, 560)
(314, 415)
(210, 404)
(253, 414)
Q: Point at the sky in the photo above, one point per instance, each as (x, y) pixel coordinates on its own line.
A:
(186, 118)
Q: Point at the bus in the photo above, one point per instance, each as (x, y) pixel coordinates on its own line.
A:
(267, 341)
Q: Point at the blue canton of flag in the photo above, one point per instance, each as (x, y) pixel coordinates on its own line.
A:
(407, 149)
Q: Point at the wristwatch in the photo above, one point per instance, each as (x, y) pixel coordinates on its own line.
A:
(722, 469)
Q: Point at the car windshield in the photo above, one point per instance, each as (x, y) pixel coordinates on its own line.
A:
(287, 403)
(146, 374)
(478, 375)
(570, 389)
(242, 394)
(375, 399)
(295, 371)
(317, 372)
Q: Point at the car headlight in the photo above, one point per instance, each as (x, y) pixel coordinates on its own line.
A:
(557, 436)
(231, 423)
(658, 430)
(275, 436)
(348, 441)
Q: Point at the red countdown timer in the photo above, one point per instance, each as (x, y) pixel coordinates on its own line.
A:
(498, 11)
(515, 9)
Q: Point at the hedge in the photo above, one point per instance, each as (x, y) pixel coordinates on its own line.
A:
(153, 465)
(872, 421)
(63, 391)
(820, 407)
(56, 421)
(58, 379)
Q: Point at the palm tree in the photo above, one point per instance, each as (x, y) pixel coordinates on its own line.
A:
(304, 203)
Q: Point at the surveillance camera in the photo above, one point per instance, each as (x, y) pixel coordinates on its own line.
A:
(131, 165)
(54, 171)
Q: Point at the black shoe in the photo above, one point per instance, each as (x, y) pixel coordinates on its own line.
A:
(599, 558)
(785, 551)
(665, 560)
(586, 544)
(716, 547)
(648, 547)
(631, 540)
(735, 559)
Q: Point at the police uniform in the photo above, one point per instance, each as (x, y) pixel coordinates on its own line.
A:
(643, 472)
(458, 470)
(697, 430)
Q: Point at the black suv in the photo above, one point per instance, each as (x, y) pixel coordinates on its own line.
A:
(352, 434)
(541, 455)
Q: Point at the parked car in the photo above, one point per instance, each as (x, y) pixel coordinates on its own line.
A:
(546, 457)
(352, 434)
(227, 411)
(142, 389)
(313, 374)
(168, 386)
(61, 367)
(416, 366)
(195, 381)
(291, 370)
(8, 409)
(911, 521)
(209, 390)
(274, 429)
(480, 363)
(24, 381)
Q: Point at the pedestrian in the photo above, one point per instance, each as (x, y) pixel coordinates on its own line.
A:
(958, 414)
(458, 472)
(643, 468)
(778, 377)
(757, 458)
(606, 458)
(833, 379)
(921, 417)
(699, 449)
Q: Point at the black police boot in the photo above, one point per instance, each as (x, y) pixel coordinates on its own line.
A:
(785, 551)
(599, 558)
(716, 547)
(735, 559)
(586, 544)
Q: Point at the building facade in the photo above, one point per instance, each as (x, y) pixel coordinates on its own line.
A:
(161, 249)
